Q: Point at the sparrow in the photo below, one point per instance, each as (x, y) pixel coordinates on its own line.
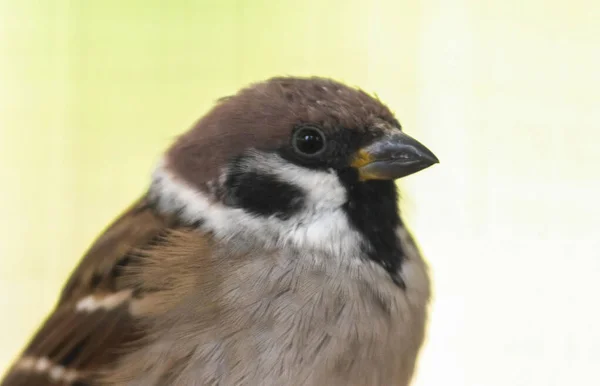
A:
(268, 250)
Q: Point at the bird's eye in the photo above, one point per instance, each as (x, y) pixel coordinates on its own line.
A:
(308, 141)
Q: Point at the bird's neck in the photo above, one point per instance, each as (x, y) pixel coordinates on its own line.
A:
(359, 226)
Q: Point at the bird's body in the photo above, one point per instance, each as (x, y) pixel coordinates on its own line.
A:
(258, 257)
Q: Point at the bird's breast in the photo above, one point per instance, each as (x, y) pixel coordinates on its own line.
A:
(281, 317)
(289, 320)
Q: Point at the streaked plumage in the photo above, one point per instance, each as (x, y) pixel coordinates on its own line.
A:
(250, 261)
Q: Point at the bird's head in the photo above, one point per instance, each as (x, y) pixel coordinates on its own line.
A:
(305, 162)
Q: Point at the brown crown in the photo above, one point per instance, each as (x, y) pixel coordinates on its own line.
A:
(263, 116)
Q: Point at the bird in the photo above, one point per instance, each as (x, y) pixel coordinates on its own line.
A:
(268, 249)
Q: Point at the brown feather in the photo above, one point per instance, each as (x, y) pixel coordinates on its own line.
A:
(86, 341)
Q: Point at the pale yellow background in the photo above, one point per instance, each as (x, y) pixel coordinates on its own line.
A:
(506, 92)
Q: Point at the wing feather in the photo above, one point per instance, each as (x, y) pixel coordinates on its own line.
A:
(91, 322)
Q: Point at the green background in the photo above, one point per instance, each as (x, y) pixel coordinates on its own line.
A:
(504, 92)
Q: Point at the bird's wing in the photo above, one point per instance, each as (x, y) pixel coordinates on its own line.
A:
(92, 319)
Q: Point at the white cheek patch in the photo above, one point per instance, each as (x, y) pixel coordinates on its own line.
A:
(321, 225)
(322, 188)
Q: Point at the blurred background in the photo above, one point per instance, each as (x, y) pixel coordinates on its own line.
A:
(505, 92)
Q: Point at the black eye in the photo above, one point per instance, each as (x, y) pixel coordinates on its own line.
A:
(308, 141)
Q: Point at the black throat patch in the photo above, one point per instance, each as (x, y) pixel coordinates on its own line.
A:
(372, 208)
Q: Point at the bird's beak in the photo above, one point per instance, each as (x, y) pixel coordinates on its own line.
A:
(392, 156)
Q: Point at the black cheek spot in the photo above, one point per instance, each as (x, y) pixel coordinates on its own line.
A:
(263, 194)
